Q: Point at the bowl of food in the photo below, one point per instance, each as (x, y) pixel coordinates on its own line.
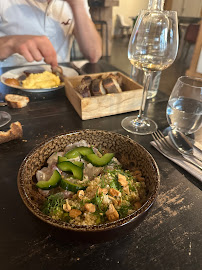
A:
(89, 181)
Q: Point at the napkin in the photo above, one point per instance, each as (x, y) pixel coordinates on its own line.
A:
(196, 172)
(80, 63)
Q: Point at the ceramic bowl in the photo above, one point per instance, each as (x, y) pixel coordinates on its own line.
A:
(128, 152)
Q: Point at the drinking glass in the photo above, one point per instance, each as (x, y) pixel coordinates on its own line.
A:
(138, 76)
(4, 118)
(152, 47)
(184, 109)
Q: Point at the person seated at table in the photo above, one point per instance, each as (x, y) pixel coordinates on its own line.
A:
(34, 31)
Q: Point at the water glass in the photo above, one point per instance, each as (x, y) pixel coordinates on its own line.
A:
(184, 109)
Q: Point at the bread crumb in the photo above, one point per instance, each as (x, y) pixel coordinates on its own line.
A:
(15, 132)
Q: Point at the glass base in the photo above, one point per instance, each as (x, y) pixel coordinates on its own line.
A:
(139, 126)
(4, 118)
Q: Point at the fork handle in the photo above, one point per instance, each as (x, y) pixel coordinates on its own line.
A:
(193, 163)
(190, 156)
(197, 158)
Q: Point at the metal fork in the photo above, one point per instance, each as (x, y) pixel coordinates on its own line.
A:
(166, 147)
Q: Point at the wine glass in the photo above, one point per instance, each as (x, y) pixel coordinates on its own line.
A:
(184, 109)
(4, 118)
(152, 47)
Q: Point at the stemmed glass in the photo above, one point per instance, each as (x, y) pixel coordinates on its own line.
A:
(153, 46)
(184, 109)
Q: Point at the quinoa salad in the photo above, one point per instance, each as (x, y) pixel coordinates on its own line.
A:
(85, 186)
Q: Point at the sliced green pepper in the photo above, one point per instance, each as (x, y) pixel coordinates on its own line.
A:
(100, 161)
(61, 159)
(77, 163)
(67, 185)
(79, 151)
(67, 166)
(51, 183)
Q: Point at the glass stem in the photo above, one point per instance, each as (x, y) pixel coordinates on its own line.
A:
(147, 78)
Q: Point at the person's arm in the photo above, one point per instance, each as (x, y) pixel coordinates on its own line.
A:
(33, 48)
(85, 32)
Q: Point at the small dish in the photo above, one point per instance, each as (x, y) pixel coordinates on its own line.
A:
(16, 73)
(127, 151)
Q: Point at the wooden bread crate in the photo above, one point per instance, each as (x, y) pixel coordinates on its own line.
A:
(105, 105)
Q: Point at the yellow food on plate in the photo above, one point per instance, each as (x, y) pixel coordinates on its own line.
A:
(45, 79)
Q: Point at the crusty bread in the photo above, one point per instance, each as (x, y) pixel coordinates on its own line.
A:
(97, 88)
(85, 92)
(16, 101)
(117, 77)
(111, 85)
(84, 87)
(15, 132)
(101, 85)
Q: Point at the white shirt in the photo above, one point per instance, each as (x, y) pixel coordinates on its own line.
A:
(37, 17)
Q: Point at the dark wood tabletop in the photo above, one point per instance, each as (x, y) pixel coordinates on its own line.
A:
(168, 238)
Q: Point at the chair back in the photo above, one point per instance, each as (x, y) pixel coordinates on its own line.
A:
(120, 20)
(192, 33)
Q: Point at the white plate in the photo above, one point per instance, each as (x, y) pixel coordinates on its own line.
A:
(16, 73)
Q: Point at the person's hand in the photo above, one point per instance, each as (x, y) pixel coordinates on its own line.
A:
(35, 48)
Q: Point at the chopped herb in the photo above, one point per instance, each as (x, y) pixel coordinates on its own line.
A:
(66, 217)
(97, 200)
(102, 182)
(101, 217)
(132, 187)
(112, 184)
(53, 206)
(123, 210)
(115, 184)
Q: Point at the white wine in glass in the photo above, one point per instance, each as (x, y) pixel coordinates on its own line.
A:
(152, 47)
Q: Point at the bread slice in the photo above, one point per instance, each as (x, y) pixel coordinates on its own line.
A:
(117, 77)
(85, 92)
(111, 85)
(84, 87)
(15, 132)
(16, 101)
(97, 88)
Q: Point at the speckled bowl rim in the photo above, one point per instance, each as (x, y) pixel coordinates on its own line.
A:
(86, 228)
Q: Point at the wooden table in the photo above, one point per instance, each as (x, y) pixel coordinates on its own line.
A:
(169, 237)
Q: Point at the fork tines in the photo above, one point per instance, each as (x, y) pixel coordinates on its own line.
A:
(168, 149)
(162, 142)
